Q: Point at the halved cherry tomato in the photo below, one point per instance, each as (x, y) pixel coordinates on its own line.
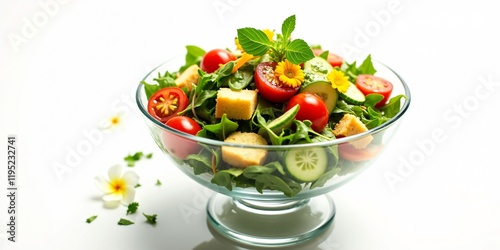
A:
(166, 103)
(176, 145)
(312, 108)
(214, 58)
(369, 84)
(269, 86)
(348, 152)
(333, 59)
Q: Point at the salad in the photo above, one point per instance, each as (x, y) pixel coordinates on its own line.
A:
(271, 89)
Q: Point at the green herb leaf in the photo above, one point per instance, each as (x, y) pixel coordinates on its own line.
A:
(125, 222)
(138, 185)
(91, 218)
(287, 27)
(132, 159)
(298, 52)
(325, 54)
(158, 183)
(132, 207)
(254, 41)
(150, 218)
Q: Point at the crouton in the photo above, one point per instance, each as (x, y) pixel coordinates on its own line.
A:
(189, 77)
(351, 125)
(244, 157)
(236, 104)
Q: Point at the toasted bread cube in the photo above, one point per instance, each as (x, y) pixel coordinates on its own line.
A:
(351, 125)
(236, 104)
(189, 77)
(244, 157)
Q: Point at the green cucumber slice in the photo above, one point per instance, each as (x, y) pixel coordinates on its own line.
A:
(324, 90)
(306, 164)
(353, 95)
(283, 122)
(318, 67)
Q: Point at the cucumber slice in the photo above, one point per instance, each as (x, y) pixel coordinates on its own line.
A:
(306, 164)
(283, 122)
(353, 95)
(324, 90)
(319, 67)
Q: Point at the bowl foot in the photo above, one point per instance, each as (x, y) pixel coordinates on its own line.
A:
(270, 223)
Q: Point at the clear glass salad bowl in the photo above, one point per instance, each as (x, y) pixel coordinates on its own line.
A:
(276, 216)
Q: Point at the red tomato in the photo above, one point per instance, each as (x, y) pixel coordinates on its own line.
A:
(333, 59)
(348, 152)
(176, 145)
(312, 108)
(269, 86)
(166, 103)
(369, 84)
(214, 58)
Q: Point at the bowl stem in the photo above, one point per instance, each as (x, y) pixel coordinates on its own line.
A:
(270, 223)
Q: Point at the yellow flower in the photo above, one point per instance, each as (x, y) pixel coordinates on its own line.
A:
(238, 45)
(289, 74)
(119, 188)
(338, 80)
(269, 34)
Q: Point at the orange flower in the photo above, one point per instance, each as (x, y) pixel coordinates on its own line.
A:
(289, 74)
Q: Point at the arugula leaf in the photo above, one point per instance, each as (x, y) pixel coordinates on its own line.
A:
(150, 218)
(352, 71)
(91, 218)
(372, 99)
(132, 207)
(367, 66)
(393, 106)
(194, 55)
(221, 130)
(254, 41)
(225, 177)
(125, 222)
(287, 27)
(298, 52)
(325, 177)
(201, 163)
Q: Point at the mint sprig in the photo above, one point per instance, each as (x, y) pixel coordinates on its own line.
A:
(255, 42)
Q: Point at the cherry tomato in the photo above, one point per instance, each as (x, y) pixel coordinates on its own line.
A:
(348, 152)
(166, 103)
(312, 108)
(369, 84)
(214, 58)
(269, 86)
(176, 145)
(333, 59)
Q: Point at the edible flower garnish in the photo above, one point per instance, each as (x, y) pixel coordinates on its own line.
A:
(112, 122)
(338, 80)
(118, 188)
(289, 74)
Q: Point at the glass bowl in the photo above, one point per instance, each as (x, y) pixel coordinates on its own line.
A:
(273, 216)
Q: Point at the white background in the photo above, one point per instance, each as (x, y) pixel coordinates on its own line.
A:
(66, 66)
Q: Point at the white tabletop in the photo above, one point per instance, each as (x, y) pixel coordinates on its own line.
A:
(68, 65)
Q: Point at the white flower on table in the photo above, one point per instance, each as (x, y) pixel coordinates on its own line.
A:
(118, 188)
(112, 122)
